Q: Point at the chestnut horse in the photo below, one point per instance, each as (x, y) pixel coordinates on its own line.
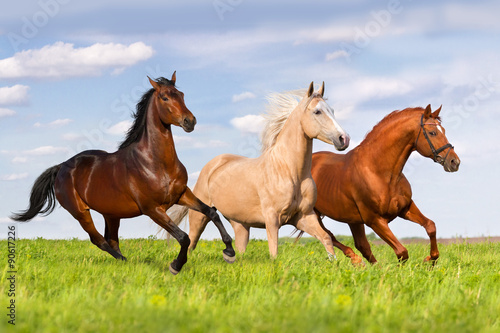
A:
(143, 177)
(275, 188)
(367, 185)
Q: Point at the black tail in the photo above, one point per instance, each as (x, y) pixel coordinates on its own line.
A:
(42, 194)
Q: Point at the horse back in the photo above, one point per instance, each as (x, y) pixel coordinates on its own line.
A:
(97, 178)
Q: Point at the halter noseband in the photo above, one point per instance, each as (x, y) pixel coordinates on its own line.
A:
(435, 152)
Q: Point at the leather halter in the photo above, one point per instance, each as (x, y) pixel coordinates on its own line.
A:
(435, 152)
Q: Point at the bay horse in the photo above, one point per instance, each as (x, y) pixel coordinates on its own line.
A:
(367, 185)
(275, 188)
(143, 177)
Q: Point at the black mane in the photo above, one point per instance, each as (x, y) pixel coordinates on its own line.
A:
(135, 132)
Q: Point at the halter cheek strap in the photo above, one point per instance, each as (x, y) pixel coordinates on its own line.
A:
(435, 152)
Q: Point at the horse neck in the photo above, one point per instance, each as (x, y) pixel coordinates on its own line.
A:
(388, 151)
(158, 140)
(293, 149)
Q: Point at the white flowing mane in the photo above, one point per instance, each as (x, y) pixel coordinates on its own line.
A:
(278, 110)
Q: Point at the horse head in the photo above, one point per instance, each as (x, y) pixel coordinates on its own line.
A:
(170, 104)
(318, 120)
(434, 135)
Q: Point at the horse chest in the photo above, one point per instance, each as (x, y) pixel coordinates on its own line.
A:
(297, 198)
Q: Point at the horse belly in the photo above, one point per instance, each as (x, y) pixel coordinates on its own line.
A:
(98, 187)
(333, 202)
(228, 183)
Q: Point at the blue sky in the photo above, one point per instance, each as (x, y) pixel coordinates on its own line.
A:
(72, 71)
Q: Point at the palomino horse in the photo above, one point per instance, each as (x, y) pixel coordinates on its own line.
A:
(367, 185)
(275, 188)
(143, 177)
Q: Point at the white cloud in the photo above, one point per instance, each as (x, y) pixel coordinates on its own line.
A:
(15, 95)
(365, 88)
(249, 124)
(193, 176)
(120, 128)
(6, 112)
(191, 142)
(336, 55)
(46, 150)
(243, 96)
(19, 159)
(14, 176)
(55, 123)
(71, 136)
(63, 60)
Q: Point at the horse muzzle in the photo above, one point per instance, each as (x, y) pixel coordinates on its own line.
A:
(451, 165)
(188, 124)
(342, 142)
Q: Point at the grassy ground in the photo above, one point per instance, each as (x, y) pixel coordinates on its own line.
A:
(71, 286)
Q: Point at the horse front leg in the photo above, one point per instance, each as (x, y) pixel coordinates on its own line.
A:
(348, 252)
(189, 200)
(161, 218)
(381, 228)
(310, 223)
(272, 229)
(413, 214)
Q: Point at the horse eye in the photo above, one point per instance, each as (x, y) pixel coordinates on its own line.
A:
(164, 98)
(433, 133)
(317, 112)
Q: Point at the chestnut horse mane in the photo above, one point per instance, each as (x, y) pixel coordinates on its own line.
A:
(138, 128)
(394, 115)
(279, 108)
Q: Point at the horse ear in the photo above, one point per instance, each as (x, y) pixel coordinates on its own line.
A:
(310, 90)
(173, 78)
(322, 89)
(154, 84)
(427, 112)
(435, 114)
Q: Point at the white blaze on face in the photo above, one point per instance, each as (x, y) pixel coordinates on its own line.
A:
(440, 128)
(324, 107)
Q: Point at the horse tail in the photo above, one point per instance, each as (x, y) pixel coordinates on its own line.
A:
(42, 195)
(177, 213)
(299, 236)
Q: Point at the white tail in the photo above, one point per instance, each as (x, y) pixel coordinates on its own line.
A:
(177, 213)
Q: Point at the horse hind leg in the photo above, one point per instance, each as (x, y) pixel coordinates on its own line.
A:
(71, 201)
(197, 224)
(348, 252)
(361, 242)
(111, 234)
(95, 237)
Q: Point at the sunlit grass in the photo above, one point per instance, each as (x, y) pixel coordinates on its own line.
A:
(71, 286)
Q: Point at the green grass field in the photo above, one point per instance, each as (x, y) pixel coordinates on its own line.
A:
(71, 286)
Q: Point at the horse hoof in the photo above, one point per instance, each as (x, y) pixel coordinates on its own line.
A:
(172, 270)
(228, 259)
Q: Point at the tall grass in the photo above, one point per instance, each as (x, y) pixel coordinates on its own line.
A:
(71, 286)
